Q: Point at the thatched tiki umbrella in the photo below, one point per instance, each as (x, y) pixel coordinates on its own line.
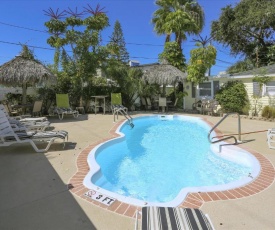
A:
(163, 74)
(24, 70)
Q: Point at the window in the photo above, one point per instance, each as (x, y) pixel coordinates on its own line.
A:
(269, 88)
(205, 89)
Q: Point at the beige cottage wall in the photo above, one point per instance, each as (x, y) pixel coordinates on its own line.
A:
(188, 100)
(263, 100)
(188, 88)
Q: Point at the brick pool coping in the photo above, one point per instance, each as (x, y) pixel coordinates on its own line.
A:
(192, 200)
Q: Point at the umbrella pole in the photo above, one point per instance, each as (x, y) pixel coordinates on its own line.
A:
(164, 95)
(164, 90)
(24, 93)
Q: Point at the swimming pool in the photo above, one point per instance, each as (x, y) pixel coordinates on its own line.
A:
(163, 158)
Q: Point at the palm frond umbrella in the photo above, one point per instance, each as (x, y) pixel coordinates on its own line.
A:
(24, 70)
(163, 74)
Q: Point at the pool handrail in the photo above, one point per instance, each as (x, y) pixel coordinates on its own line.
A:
(229, 137)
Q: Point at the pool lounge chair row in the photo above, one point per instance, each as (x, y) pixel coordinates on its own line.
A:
(62, 108)
(18, 133)
(27, 123)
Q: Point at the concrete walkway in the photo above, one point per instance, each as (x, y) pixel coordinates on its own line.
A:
(34, 193)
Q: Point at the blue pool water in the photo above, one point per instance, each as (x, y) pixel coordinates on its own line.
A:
(158, 158)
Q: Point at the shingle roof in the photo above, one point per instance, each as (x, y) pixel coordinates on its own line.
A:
(270, 69)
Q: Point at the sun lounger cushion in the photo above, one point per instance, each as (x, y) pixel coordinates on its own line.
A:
(40, 135)
(119, 107)
(36, 119)
(65, 111)
(174, 219)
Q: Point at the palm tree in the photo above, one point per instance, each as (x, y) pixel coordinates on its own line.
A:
(178, 17)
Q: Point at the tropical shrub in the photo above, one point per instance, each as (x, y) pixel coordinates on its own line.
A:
(232, 96)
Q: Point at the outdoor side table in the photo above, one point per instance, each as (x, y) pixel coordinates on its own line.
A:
(99, 102)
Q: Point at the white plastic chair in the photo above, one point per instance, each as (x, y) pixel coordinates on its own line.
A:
(162, 103)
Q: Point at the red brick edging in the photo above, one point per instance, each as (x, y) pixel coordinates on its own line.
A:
(192, 200)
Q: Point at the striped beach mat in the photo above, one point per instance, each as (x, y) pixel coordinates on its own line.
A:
(167, 218)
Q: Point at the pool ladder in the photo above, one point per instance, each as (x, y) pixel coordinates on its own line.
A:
(229, 137)
(126, 115)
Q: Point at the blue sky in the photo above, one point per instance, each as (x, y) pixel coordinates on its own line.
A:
(22, 22)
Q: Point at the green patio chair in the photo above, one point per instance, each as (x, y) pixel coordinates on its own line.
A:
(117, 107)
(116, 103)
(63, 106)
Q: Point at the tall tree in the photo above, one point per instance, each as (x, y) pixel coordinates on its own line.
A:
(173, 54)
(240, 66)
(81, 32)
(248, 29)
(117, 44)
(178, 17)
(201, 60)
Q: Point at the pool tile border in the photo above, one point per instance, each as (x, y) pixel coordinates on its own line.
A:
(192, 200)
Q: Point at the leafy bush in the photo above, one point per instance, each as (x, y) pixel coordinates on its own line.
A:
(15, 99)
(268, 112)
(232, 96)
(47, 94)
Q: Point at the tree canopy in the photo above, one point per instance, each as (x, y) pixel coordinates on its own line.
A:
(178, 17)
(81, 33)
(201, 60)
(240, 66)
(173, 54)
(117, 44)
(248, 29)
(76, 37)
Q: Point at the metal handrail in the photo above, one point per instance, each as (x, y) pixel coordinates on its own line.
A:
(229, 137)
(126, 115)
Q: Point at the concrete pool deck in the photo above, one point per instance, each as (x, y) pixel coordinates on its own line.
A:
(35, 194)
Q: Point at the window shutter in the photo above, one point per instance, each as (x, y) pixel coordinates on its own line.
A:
(216, 87)
(256, 89)
(193, 90)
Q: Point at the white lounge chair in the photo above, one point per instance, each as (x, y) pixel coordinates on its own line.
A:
(169, 218)
(9, 137)
(271, 138)
(10, 110)
(30, 123)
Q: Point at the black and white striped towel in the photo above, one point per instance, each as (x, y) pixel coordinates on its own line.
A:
(167, 218)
